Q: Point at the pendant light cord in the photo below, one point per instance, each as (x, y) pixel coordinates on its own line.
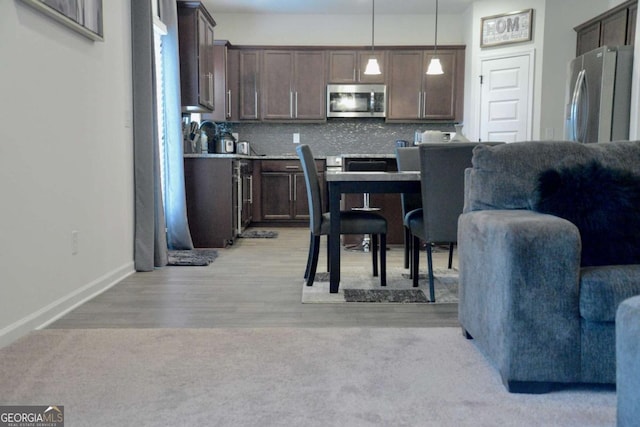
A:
(373, 14)
(435, 49)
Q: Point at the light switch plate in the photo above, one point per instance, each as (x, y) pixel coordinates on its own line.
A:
(296, 138)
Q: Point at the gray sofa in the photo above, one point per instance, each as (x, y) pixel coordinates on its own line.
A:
(532, 308)
(628, 362)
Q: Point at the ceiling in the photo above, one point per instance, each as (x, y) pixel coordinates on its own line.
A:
(335, 7)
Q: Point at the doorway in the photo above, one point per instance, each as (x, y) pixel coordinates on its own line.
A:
(506, 95)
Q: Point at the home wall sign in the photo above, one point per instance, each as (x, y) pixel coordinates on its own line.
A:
(83, 16)
(514, 27)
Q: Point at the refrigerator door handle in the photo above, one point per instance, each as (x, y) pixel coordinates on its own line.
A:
(575, 100)
(583, 93)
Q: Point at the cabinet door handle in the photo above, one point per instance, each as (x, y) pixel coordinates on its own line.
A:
(255, 103)
(424, 104)
(229, 103)
(296, 105)
(250, 189)
(212, 101)
(291, 104)
(419, 104)
(295, 189)
(290, 188)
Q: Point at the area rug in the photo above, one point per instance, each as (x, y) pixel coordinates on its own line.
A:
(359, 286)
(258, 234)
(194, 257)
(311, 377)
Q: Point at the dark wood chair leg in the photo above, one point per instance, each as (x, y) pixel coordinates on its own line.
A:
(308, 267)
(328, 263)
(314, 261)
(432, 293)
(374, 254)
(383, 260)
(415, 264)
(407, 246)
(450, 255)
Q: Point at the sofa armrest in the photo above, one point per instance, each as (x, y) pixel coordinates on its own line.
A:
(519, 275)
(627, 361)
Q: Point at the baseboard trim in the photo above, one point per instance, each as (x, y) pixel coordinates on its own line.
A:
(45, 316)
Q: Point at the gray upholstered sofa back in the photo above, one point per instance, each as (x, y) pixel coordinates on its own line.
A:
(506, 176)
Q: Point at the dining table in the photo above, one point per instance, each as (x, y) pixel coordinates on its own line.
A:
(342, 182)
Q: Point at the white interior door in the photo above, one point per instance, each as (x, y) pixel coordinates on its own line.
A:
(506, 97)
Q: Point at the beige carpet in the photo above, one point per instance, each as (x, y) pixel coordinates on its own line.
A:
(445, 285)
(279, 377)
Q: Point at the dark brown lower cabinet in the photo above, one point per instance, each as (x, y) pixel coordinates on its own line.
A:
(283, 192)
(211, 190)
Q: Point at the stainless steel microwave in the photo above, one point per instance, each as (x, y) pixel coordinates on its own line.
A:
(357, 100)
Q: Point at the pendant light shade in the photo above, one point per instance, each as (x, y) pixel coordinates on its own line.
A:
(435, 67)
(372, 68)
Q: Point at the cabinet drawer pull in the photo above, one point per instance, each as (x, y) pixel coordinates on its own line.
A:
(292, 167)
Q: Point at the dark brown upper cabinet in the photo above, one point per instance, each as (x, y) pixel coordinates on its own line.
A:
(196, 43)
(293, 85)
(415, 96)
(615, 27)
(347, 66)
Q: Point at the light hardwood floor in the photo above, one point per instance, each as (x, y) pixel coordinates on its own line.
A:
(254, 283)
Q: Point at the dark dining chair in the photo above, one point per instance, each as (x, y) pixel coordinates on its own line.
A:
(442, 169)
(408, 159)
(351, 222)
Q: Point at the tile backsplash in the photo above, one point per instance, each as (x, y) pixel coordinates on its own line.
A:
(336, 136)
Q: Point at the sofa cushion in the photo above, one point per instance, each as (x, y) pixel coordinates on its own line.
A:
(604, 203)
(602, 289)
(506, 176)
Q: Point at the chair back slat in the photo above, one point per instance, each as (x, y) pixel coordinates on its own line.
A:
(313, 187)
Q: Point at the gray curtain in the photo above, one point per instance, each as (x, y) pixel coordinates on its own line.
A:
(150, 246)
(160, 219)
(178, 235)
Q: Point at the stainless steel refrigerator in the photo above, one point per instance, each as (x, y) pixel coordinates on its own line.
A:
(599, 95)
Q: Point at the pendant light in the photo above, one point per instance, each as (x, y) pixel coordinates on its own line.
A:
(435, 67)
(372, 68)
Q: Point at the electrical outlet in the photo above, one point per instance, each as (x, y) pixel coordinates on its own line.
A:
(296, 138)
(74, 242)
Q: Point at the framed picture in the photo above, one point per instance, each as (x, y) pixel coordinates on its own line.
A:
(514, 27)
(83, 16)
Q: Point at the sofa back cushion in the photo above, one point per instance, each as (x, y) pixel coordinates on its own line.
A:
(506, 176)
(604, 203)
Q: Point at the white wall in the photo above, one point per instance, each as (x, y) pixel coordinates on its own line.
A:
(65, 163)
(475, 55)
(553, 43)
(247, 29)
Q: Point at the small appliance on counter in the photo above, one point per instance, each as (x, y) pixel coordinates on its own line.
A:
(208, 136)
(225, 144)
(243, 147)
